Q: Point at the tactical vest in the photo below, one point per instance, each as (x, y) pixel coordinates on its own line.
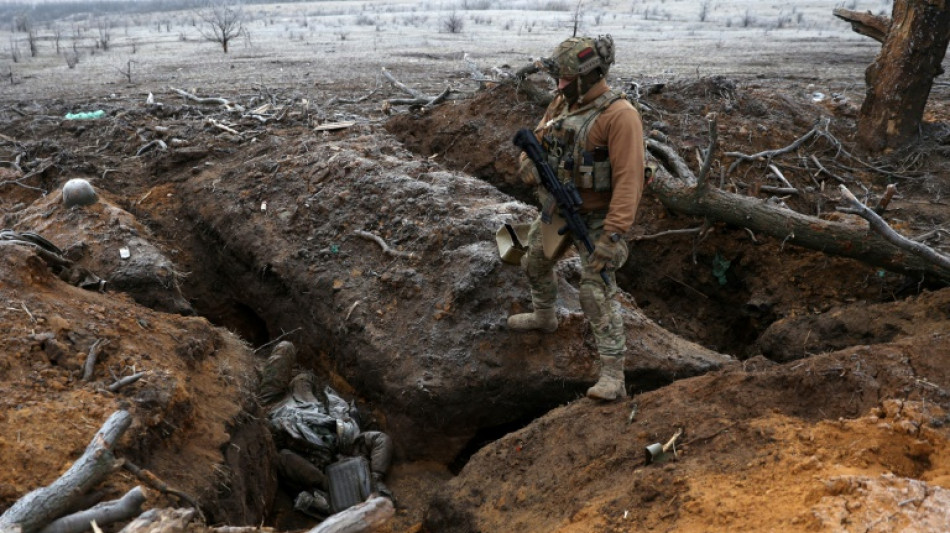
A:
(564, 140)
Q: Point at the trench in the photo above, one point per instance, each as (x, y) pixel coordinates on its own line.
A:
(239, 293)
(233, 289)
(260, 306)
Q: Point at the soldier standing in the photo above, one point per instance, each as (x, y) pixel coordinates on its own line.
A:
(592, 136)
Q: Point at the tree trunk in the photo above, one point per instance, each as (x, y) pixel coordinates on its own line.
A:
(900, 79)
(680, 192)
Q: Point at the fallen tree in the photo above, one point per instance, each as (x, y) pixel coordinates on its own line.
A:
(680, 190)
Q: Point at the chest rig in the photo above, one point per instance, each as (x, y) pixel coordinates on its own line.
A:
(564, 140)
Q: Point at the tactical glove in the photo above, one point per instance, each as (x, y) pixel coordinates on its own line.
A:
(528, 172)
(609, 252)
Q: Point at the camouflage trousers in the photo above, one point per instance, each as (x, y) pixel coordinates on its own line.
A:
(597, 299)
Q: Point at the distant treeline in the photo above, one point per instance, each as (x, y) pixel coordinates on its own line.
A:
(50, 11)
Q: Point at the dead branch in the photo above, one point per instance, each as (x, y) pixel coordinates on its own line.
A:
(401, 86)
(440, 98)
(873, 26)
(240, 529)
(713, 143)
(150, 479)
(711, 435)
(161, 521)
(89, 367)
(821, 169)
(338, 100)
(157, 143)
(127, 380)
(769, 154)
(276, 340)
(209, 100)
(382, 244)
(668, 233)
(780, 176)
(124, 508)
(671, 444)
(221, 126)
(886, 199)
(854, 206)
(368, 516)
(38, 508)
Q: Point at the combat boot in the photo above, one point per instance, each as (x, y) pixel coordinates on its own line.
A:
(610, 386)
(540, 319)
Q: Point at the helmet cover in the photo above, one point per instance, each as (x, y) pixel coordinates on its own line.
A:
(577, 56)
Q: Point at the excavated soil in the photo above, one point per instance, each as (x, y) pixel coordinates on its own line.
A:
(831, 416)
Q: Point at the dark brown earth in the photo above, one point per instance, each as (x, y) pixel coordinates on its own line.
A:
(845, 429)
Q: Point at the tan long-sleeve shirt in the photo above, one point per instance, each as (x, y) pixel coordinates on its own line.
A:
(620, 129)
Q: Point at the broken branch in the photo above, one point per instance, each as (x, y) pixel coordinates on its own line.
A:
(209, 100)
(221, 126)
(873, 26)
(89, 367)
(886, 199)
(821, 169)
(769, 154)
(128, 380)
(382, 244)
(370, 515)
(124, 508)
(401, 86)
(687, 231)
(707, 162)
(150, 479)
(39, 507)
(854, 206)
(670, 444)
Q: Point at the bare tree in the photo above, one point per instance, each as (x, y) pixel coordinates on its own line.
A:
(104, 35)
(704, 10)
(57, 37)
(127, 71)
(14, 49)
(223, 20)
(453, 23)
(31, 40)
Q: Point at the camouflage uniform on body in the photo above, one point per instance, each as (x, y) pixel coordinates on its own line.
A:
(565, 133)
(313, 427)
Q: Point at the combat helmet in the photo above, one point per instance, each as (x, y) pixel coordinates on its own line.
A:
(578, 56)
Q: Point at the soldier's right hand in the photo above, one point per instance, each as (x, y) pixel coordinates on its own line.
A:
(527, 171)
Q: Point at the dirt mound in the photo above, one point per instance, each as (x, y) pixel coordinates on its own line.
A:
(797, 336)
(811, 445)
(198, 381)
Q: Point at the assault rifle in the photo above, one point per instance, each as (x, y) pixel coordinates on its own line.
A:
(565, 194)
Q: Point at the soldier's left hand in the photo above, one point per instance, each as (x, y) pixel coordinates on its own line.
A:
(606, 253)
(527, 171)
